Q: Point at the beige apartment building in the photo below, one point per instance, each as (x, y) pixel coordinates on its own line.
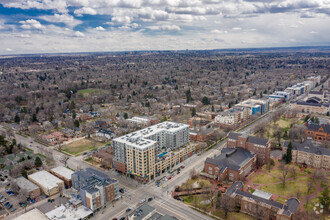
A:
(308, 154)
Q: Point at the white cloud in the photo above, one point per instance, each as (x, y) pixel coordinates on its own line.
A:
(99, 28)
(69, 20)
(31, 24)
(85, 10)
(79, 34)
(24, 36)
(9, 49)
(236, 28)
(165, 28)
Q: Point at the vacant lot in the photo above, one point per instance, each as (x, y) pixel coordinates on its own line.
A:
(80, 146)
(91, 91)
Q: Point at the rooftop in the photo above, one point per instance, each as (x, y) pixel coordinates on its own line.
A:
(250, 139)
(262, 194)
(45, 179)
(69, 213)
(139, 139)
(142, 211)
(26, 184)
(63, 171)
(34, 214)
(231, 158)
(308, 147)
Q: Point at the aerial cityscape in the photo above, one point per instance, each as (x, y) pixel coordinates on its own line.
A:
(164, 109)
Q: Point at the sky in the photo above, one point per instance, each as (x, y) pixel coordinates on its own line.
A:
(58, 26)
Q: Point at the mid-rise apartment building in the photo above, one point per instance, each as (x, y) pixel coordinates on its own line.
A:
(279, 95)
(232, 117)
(260, 146)
(142, 122)
(142, 154)
(256, 106)
(308, 154)
(96, 188)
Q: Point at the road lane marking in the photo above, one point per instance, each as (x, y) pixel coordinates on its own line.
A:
(175, 213)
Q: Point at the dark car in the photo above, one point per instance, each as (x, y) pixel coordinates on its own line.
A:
(9, 206)
(6, 203)
(128, 210)
(122, 190)
(150, 199)
(13, 209)
(122, 218)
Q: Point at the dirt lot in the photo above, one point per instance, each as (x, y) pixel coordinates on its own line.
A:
(80, 146)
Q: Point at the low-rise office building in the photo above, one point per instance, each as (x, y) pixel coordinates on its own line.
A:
(147, 212)
(64, 174)
(32, 189)
(260, 146)
(96, 188)
(308, 154)
(48, 183)
(312, 105)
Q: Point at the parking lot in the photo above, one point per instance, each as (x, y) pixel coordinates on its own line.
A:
(11, 199)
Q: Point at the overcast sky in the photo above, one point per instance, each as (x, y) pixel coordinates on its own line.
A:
(40, 26)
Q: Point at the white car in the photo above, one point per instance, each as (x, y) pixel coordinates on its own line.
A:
(142, 201)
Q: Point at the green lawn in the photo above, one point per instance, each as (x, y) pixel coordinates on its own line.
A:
(265, 178)
(91, 91)
(80, 146)
(232, 215)
(281, 200)
(190, 200)
(291, 187)
(190, 182)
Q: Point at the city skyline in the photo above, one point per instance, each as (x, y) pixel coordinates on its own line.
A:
(30, 26)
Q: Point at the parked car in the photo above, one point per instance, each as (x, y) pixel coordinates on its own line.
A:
(9, 206)
(122, 190)
(6, 204)
(142, 201)
(13, 210)
(150, 199)
(128, 210)
(122, 218)
(3, 200)
(1, 196)
(169, 178)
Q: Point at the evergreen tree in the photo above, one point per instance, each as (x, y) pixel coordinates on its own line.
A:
(17, 119)
(38, 162)
(164, 118)
(212, 108)
(76, 124)
(205, 101)
(24, 173)
(289, 153)
(306, 118)
(34, 118)
(188, 96)
(324, 199)
(193, 112)
(125, 115)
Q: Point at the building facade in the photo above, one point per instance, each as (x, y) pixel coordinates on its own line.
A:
(260, 146)
(260, 207)
(48, 183)
(319, 133)
(138, 153)
(232, 164)
(32, 189)
(64, 174)
(96, 188)
(308, 154)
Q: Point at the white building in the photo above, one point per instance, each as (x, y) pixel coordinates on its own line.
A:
(48, 183)
(34, 214)
(139, 121)
(69, 213)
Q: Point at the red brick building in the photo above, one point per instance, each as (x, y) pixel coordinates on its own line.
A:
(64, 174)
(260, 207)
(260, 146)
(200, 134)
(232, 164)
(320, 133)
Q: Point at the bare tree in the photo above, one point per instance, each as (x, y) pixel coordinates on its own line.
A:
(260, 211)
(193, 174)
(14, 187)
(226, 204)
(16, 170)
(65, 159)
(284, 172)
(59, 147)
(293, 172)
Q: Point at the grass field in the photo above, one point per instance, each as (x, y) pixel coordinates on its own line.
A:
(291, 187)
(265, 178)
(80, 146)
(232, 215)
(91, 91)
(190, 183)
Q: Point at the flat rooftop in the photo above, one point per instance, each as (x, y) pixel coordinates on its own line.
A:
(45, 179)
(26, 184)
(34, 214)
(262, 194)
(69, 213)
(139, 139)
(63, 171)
